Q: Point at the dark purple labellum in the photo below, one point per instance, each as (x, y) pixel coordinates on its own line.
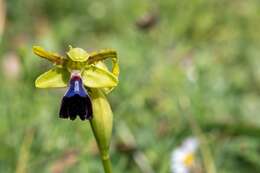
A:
(76, 101)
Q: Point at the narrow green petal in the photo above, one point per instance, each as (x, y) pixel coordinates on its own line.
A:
(103, 55)
(53, 57)
(54, 78)
(96, 77)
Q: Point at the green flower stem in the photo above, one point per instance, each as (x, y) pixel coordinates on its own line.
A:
(104, 155)
(106, 163)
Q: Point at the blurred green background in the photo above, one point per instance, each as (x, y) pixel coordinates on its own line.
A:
(188, 68)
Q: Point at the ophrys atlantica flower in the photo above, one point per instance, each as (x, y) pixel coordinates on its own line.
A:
(76, 70)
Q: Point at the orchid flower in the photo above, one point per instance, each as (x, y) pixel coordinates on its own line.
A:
(88, 80)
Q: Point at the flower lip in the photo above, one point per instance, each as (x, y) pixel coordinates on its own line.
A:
(76, 101)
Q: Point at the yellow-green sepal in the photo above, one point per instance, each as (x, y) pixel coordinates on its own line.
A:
(97, 77)
(102, 65)
(55, 78)
(102, 121)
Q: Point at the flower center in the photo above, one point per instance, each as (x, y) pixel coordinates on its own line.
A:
(188, 160)
(75, 65)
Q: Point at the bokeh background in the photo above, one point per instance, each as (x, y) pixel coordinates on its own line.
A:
(189, 68)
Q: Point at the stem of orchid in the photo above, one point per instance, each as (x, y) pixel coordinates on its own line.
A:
(104, 156)
(106, 163)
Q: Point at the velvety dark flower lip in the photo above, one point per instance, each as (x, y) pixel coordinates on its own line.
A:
(76, 101)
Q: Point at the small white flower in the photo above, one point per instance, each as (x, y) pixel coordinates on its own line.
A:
(182, 158)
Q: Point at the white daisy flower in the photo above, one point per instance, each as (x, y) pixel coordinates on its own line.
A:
(182, 158)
